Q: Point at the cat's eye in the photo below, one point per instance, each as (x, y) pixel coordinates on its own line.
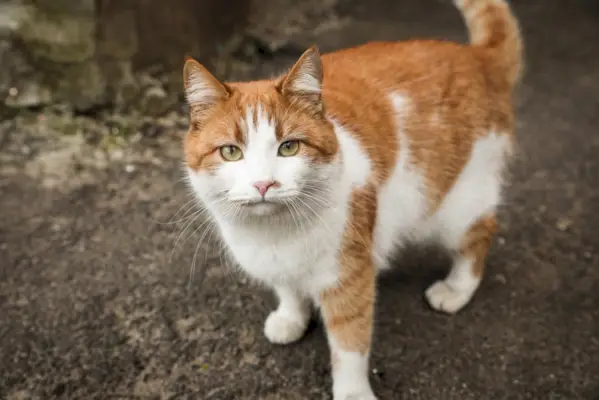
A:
(289, 148)
(231, 153)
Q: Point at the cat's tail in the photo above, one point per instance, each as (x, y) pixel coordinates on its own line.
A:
(493, 27)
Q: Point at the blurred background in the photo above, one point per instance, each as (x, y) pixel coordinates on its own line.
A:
(101, 251)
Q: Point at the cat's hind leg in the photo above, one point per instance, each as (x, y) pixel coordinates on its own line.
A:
(289, 321)
(455, 291)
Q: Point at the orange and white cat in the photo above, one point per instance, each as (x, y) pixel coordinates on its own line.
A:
(316, 177)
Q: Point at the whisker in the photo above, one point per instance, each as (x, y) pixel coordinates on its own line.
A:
(194, 259)
(186, 215)
(190, 220)
(315, 213)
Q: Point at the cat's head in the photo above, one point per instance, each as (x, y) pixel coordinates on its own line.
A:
(261, 148)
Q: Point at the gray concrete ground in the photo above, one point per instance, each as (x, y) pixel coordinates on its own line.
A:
(92, 306)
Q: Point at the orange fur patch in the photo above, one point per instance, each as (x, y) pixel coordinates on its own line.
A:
(225, 124)
(348, 308)
(477, 242)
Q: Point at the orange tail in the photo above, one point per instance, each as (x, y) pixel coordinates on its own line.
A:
(493, 27)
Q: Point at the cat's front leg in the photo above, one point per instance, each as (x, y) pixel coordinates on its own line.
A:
(348, 315)
(348, 307)
(289, 321)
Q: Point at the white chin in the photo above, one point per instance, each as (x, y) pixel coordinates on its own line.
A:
(263, 209)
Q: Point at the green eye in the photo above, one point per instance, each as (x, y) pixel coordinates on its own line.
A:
(289, 148)
(231, 153)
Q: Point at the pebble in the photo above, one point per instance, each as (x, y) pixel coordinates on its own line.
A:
(117, 154)
(563, 224)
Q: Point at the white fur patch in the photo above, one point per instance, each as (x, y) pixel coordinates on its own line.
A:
(403, 203)
(356, 164)
(453, 293)
(476, 192)
(290, 320)
(350, 374)
(263, 130)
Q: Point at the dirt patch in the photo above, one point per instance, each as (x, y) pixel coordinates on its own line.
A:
(93, 305)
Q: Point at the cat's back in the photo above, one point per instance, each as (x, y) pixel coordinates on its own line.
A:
(414, 66)
(438, 97)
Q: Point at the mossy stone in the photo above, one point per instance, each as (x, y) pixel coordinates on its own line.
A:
(155, 101)
(57, 37)
(74, 7)
(28, 93)
(83, 85)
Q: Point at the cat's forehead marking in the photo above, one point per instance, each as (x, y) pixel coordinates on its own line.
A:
(259, 124)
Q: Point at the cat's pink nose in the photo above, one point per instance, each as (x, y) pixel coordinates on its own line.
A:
(263, 186)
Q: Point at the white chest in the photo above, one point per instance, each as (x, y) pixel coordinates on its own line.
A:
(306, 260)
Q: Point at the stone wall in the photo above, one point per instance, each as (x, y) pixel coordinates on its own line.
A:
(85, 53)
(126, 55)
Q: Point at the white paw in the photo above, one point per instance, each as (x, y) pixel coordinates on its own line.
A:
(443, 297)
(284, 328)
(365, 394)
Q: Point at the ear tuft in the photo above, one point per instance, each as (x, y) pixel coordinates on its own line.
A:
(305, 77)
(201, 87)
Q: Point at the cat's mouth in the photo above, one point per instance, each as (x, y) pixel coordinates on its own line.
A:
(260, 206)
(263, 207)
(255, 202)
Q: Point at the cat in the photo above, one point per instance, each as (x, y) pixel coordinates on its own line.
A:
(314, 178)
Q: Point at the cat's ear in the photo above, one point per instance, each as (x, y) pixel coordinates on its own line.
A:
(304, 79)
(201, 87)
